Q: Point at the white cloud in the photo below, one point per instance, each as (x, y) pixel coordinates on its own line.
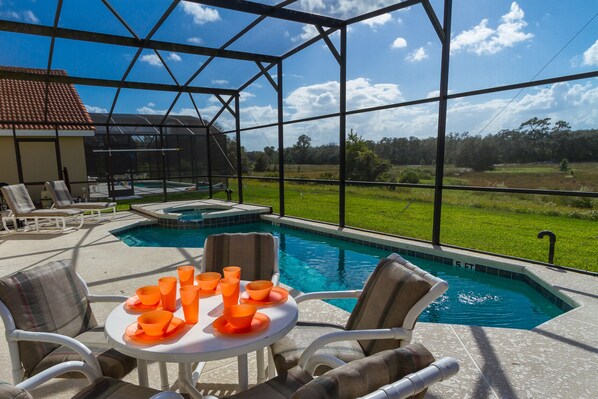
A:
(590, 56)
(219, 81)
(378, 21)
(151, 59)
(149, 110)
(245, 95)
(417, 55)
(483, 40)
(174, 57)
(343, 8)
(195, 40)
(29, 16)
(307, 32)
(151, 105)
(200, 14)
(399, 42)
(94, 109)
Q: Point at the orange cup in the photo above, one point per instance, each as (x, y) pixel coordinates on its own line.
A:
(186, 275)
(230, 291)
(232, 272)
(149, 295)
(190, 301)
(240, 316)
(155, 323)
(208, 280)
(168, 291)
(259, 290)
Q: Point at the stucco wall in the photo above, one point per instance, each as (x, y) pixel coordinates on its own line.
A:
(39, 163)
(8, 161)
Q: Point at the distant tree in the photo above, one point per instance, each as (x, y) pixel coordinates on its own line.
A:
(262, 162)
(476, 153)
(409, 176)
(361, 162)
(301, 150)
(564, 165)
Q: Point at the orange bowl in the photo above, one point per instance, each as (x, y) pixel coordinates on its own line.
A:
(259, 290)
(240, 316)
(208, 280)
(149, 295)
(155, 323)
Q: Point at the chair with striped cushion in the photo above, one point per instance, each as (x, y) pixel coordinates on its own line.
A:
(62, 198)
(50, 326)
(255, 253)
(404, 372)
(383, 318)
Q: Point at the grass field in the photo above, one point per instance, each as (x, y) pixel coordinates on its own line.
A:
(495, 222)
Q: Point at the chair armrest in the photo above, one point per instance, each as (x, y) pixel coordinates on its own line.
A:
(106, 298)
(328, 295)
(352, 335)
(57, 370)
(76, 346)
(414, 383)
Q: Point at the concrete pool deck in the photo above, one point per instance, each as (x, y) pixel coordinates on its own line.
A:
(558, 359)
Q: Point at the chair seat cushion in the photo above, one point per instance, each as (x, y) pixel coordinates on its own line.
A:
(8, 391)
(365, 376)
(280, 387)
(52, 213)
(114, 364)
(288, 349)
(104, 388)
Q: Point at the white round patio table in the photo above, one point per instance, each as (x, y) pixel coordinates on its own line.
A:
(200, 342)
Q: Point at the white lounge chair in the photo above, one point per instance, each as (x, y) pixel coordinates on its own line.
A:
(63, 199)
(39, 221)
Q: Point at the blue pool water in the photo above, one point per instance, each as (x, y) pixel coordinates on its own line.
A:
(311, 262)
(192, 215)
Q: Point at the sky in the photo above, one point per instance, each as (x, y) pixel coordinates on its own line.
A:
(391, 58)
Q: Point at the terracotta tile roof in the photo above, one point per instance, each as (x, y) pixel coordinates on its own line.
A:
(23, 100)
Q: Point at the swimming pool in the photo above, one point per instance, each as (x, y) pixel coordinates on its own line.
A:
(311, 262)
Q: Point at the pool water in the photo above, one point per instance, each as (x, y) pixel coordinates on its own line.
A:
(193, 215)
(311, 262)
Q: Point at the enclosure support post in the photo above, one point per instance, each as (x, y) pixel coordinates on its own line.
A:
(164, 191)
(209, 160)
(280, 141)
(239, 153)
(442, 105)
(17, 154)
(342, 127)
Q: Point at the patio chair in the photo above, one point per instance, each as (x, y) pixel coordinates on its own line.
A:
(384, 317)
(63, 199)
(51, 329)
(391, 374)
(22, 209)
(255, 253)
(101, 388)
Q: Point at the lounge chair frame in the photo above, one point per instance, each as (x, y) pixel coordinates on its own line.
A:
(62, 199)
(36, 221)
(89, 366)
(403, 333)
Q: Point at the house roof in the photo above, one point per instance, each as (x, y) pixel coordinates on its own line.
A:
(23, 100)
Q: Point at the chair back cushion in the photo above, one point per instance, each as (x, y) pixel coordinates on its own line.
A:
(389, 294)
(60, 193)
(255, 253)
(361, 377)
(48, 298)
(18, 199)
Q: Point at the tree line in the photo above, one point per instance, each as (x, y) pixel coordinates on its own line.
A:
(535, 140)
